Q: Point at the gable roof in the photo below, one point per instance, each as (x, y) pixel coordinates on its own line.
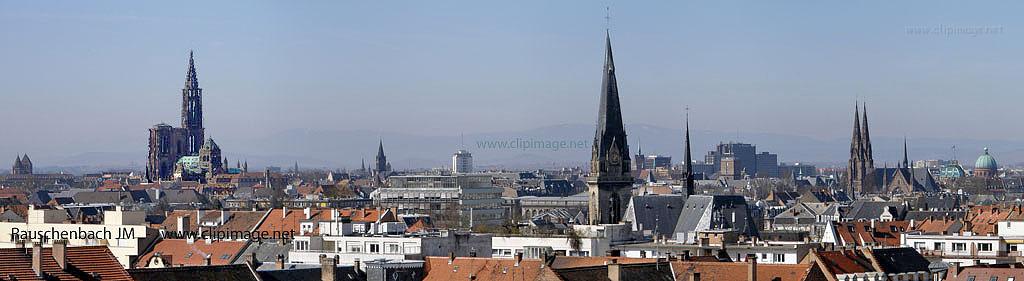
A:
(738, 271)
(180, 252)
(439, 269)
(234, 272)
(82, 263)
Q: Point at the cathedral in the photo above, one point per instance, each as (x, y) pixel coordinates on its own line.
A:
(610, 181)
(863, 178)
(860, 171)
(22, 166)
(168, 146)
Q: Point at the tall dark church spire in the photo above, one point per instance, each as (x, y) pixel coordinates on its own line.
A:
(906, 156)
(687, 161)
(861, 168)
(610, 179)
(192, 109)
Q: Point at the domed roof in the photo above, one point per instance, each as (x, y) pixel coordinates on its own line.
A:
(985, 161)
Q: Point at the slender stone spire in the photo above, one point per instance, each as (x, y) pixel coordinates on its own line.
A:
(609, 118)
(192, 109)
(610, 176)
(688, 165)
(866, 141)
(191, 79)
(906, 159)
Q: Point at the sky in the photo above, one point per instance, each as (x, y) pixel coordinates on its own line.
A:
(96, 74)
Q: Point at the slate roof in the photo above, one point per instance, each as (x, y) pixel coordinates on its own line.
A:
(867, 210)
(702, 212)
(343, 273)
(658, 213)
(899, 260)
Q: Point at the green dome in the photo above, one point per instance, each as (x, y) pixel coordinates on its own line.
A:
(985, 161)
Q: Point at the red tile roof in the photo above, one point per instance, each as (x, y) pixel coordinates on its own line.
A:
(438, 269)
(82, 262)
(843, 262)
(862, 233)
(180, 252)
(737, 271)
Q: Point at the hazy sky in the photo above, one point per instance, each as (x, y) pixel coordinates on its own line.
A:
(101, 72)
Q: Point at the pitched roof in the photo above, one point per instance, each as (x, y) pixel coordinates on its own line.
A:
(83, 261)
(234, 272)
(737, 271)
(235, 220)
(635, 271)
(843, 262)
(439, 269)
(180, 252)
(862, 233)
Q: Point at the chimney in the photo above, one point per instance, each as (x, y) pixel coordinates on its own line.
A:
(199, 216)
(280, 262)
(37, 259)
(253, 261)
(953, 271)
(519, 258)
(327, 268)
(752, 274)
(615, 270)
(224, 215)
(307, 212)
(59, 251)
(356, 266)
(686, 255)
(206, 260)
(612, 253)
(284, 212)
(182, 224)
(451, 258)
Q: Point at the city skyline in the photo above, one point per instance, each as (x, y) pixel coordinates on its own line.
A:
(269, 89)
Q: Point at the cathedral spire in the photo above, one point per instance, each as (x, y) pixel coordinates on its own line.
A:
(906, 159)
(688, 166)
(866, 140)
(191, 79)
(610, 176)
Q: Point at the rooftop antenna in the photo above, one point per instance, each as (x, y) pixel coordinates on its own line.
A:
(955, 160)
(462, 138)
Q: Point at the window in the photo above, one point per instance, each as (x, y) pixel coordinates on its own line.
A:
(392, 248)
(939, 246)
(994, 278)
(374, 248)
(985, 247)
(919, 245)
(959, 247)
(970, 278)
(781, 258)
(355, 247)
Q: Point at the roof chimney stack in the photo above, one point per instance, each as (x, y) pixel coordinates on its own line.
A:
(37, 259)
(59, 251)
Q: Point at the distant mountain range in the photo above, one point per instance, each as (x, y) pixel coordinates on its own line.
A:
(345, 148)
